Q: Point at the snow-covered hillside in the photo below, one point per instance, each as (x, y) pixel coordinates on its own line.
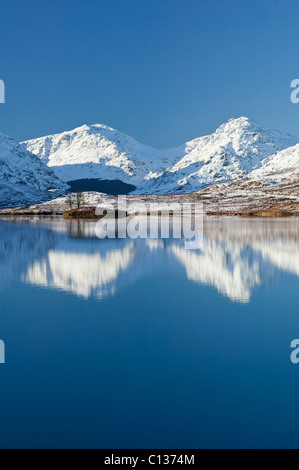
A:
(100, 152)
(278, 168)
(234, 150)
(24, 179)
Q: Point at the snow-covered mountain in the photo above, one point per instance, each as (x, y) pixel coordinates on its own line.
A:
(24, 179)
(235, 149)
(101, 153)
(281, 167)
(270, 190)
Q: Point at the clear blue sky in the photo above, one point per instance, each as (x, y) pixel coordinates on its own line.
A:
(163, 71)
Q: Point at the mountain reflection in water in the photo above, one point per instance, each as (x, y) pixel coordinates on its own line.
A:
(236, 256)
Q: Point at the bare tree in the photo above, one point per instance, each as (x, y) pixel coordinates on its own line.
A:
(80, 199)
(70, 201)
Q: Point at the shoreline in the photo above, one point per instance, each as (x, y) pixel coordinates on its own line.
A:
(233, 199)
(89, 214)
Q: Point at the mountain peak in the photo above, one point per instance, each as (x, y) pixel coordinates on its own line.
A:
(92, 128)
(242, 120)
(240, 123)
(98, 152)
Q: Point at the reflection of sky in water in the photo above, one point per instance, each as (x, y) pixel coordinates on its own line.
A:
(125, 344)
(236, 256)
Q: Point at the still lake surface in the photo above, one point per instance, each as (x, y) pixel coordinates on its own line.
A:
(144, 344)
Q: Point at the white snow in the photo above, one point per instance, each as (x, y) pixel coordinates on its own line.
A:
(280, 167)
(24, 179)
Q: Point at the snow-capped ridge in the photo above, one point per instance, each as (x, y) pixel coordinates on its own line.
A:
(23, 178)
(100, 152)
(282, 166)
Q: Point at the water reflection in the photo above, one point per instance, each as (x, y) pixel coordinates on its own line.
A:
(237, 256)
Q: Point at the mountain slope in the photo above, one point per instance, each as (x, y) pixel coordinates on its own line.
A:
(281, 167)
(100, 152)
(24, 179)
(235, 149)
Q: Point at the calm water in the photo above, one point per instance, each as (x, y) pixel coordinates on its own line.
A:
(129, 344)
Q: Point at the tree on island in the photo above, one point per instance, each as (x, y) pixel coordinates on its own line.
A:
(70, 201)
(80, 199)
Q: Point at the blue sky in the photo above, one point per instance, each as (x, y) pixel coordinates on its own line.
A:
(163, 71)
